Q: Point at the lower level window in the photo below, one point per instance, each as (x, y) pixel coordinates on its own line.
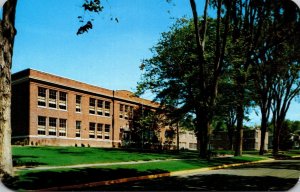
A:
(41, 125)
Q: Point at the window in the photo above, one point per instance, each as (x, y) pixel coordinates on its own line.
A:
(99, 130)
(63, 100)
(92, 106)
(52, 98)
(100, 104)
(107, 105)
(106, 130)
(78, 128)
(78, 103)
(41, 97)
(130, 112)
(99, 107)
(107, 109)
(41, 125)
(92, 130)
(62, 127)
(52, 126)
(121, 110)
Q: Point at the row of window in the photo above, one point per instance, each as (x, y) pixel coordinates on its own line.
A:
(58, 99)
(96, 106)
(96, 130)
(55, 126)
(126, 111)
(58, 127)
(99, 107)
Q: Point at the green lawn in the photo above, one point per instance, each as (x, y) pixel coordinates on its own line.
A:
(58, 156)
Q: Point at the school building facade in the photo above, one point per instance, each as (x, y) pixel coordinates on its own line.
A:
(52, 110)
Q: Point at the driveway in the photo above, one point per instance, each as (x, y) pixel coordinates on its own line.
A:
(279, 175)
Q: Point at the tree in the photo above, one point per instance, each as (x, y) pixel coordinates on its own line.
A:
(144, 127)
(276, 31)
(7, 36)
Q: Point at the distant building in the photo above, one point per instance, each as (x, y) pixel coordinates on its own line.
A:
(251, 140)
(187, 140)
(53, 110)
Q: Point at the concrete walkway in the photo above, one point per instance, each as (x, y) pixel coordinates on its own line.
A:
(92, 165)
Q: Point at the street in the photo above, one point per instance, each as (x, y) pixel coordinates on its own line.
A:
(279, 175)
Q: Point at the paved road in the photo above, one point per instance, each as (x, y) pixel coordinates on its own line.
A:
(280, 175)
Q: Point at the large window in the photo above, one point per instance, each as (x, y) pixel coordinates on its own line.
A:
(41, 125)
(52, 126)
(42, 97)
(52, 98)
(78, 128)
(63, 100)
(62, 127)
(78, 103)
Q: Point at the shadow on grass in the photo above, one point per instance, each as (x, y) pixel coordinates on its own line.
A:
(26, 160)
(217, 182)
(35, 180)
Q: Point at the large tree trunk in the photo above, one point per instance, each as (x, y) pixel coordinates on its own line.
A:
(263, 129)
(7, 34)
(240, 119)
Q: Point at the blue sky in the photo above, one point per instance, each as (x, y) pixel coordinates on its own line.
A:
(109, 55)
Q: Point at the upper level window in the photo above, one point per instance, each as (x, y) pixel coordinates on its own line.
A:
(52, 98)
(63, 100)
(92, 106)
(78, 103)
(41, 96)
(99, 107)
(107, 108)
(107, 105)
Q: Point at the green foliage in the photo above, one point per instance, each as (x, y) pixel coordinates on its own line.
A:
(144, 128)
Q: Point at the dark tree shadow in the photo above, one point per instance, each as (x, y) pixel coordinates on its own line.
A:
(218, 182)
(35, 180)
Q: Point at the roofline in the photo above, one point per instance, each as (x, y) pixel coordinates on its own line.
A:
(25, 75)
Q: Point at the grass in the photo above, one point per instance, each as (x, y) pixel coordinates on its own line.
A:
(59, 156)
(34, 179)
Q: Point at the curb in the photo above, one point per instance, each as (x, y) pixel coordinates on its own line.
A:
(153, 176)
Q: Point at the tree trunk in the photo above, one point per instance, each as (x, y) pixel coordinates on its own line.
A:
(276, 136)
(7, 35)
(240, 118)
(203, 126)
(240, 131)
(263, 129)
